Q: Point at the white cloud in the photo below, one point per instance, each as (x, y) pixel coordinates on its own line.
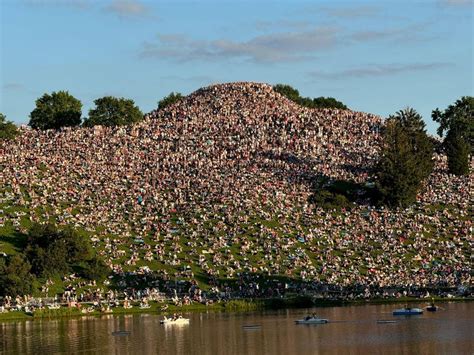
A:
(127, 8)
(376, 70)
(274, 47)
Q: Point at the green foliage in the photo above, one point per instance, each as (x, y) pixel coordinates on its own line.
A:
(327, 199)
(15, 276)
(95, 269)
(8, 130)
(287, 91)
(53, 252)
(406, 158)
(457, 151)
(319, 102)
(328, 102)
(458, 123)
(60, 109)
(169, 100)
(113, 111)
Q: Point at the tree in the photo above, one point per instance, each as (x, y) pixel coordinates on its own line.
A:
(328, 102)
(458, 123)
(169, 100)
(15, 276)
(406, 158)
(52, 251)
(60, 109)
(457, 151)
(287, 91)
(319, 102)
(113, 111)
(8, 129)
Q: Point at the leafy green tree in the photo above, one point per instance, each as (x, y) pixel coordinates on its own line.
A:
(52, 251)
(8, 130)
(60, 109)
(328, 102)
(113, 111)
(169, 100)
(15, 276)
(320, 102)
(457, 151)
(287, 91)
(457, 121)
(406, 158)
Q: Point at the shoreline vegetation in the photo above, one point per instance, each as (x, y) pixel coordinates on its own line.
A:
(234, 306)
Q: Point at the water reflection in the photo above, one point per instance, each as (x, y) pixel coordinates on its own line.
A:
(351, 330)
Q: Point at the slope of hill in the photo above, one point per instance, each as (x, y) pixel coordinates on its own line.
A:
(217, 185)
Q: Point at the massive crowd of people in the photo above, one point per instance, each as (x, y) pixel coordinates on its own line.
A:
(217, 186)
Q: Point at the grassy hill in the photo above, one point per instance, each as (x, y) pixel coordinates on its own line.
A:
(219, 185)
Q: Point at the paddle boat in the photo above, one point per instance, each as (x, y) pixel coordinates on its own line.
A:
(175, 320)
(311, 320)
(407, 311)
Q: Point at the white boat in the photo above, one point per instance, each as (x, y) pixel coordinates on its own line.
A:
(407, 311)
(179, 320)
(311, 320)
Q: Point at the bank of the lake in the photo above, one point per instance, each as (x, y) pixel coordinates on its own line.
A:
(242, 305)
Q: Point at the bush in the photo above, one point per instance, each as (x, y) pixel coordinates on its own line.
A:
(95, 269)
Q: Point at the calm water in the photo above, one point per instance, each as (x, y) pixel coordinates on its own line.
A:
(352, 330)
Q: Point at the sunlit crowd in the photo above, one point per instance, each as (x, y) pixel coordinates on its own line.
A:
(218, 186)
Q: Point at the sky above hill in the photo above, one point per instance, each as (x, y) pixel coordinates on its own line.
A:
(377, 56)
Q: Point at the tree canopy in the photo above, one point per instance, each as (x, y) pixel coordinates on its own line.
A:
(457, 121)
(8, 130)
(318, 102)
(60, 109)
(113, 111)
(52, 251)
(15, 276)
(406, 158)
(169, 100)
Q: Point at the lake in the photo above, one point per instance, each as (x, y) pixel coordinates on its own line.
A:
(352, 329)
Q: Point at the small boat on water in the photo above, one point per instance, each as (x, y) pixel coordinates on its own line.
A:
(432, 307)
(407, 311)
(311, 320)
(177, 320)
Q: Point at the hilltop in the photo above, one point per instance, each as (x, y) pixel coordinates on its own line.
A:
(218, 185)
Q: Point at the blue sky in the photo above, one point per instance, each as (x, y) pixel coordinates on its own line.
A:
(377, 56)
